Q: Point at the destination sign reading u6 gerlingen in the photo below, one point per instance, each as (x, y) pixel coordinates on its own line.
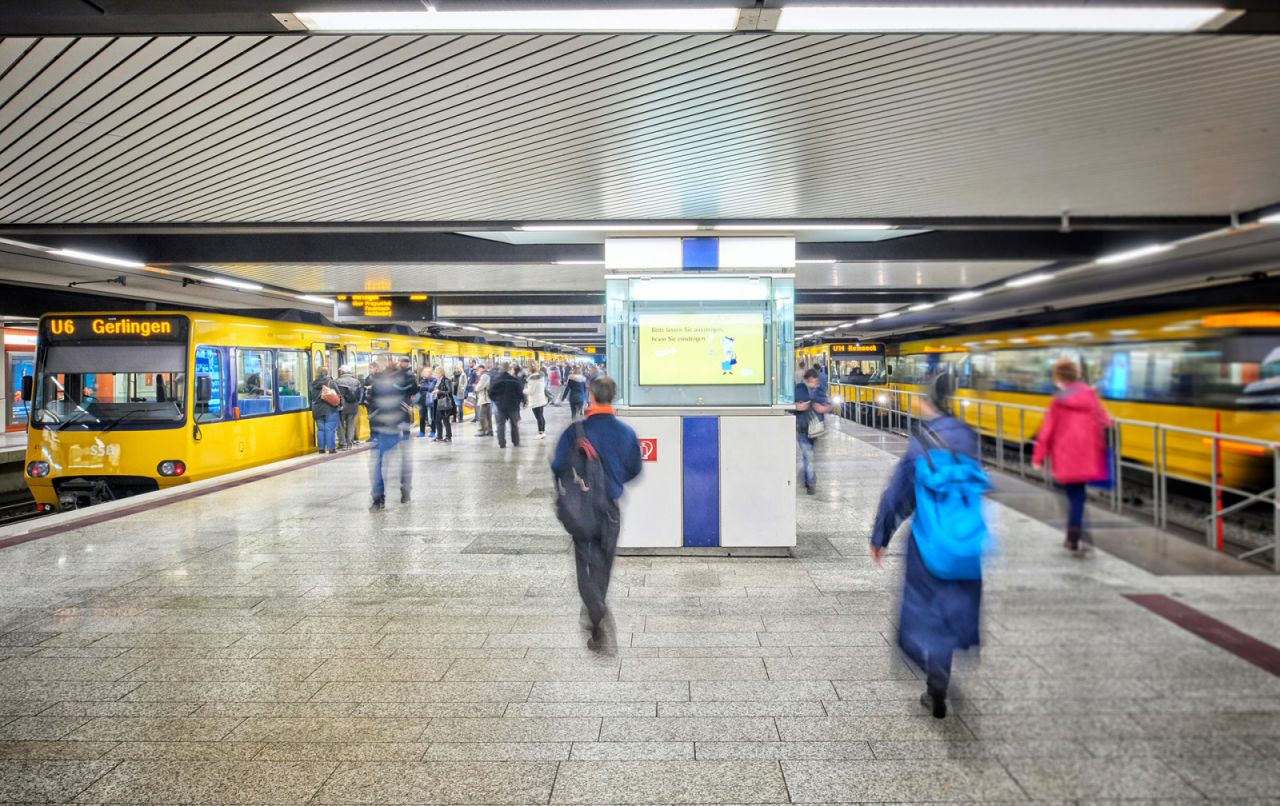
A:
(383, 308)
(125, 328)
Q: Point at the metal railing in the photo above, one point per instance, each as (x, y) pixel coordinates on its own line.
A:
(1006, 424)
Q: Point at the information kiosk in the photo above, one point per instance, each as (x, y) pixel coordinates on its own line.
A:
(704, 365)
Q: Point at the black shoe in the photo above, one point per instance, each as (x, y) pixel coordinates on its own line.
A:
(936, 702)
(404, 496)
(378, 504)
(810, 489)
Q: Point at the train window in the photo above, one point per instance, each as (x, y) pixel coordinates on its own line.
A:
(291, 370)
(209, 364)
(91, 387)
(254, 382)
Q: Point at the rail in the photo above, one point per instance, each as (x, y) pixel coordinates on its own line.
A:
(894, 410)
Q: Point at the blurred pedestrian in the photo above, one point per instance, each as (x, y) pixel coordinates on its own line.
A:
(459, 381)
(326, 402)
(507, 395)
(389, 419)
(575, 391)
(352, 392)
(938, 616)
(812, 403)
(1073, 438)
(612, 445)
(535, 391)
(426, 404)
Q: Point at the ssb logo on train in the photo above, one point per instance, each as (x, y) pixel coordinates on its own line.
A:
(649, 450)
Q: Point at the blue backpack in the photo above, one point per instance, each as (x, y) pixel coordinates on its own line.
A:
(949, 527)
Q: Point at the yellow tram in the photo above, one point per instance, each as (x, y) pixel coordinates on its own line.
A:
(853, 362)
(125, 403)
(1214, 371)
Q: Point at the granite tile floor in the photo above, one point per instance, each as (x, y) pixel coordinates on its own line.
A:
(277, 643)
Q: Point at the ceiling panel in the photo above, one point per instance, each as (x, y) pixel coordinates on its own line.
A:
(936, 274)
(521, 127)
(437, 278)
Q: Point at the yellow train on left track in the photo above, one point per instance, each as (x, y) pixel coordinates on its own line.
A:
(125, 403)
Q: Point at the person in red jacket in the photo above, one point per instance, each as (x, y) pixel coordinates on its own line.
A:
(1073, 438)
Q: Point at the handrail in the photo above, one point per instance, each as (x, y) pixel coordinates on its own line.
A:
(887, 401)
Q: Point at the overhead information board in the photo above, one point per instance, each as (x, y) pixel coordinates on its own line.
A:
(383, 308)
(853, 348)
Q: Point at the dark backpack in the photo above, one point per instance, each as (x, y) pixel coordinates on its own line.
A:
(582, 493)
(352, 394)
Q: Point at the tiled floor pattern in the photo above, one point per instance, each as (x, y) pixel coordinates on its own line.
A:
(276, 643)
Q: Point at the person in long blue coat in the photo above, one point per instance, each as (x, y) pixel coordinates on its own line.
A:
(938, 617)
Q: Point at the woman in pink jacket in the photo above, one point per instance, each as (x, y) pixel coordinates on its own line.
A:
(1073, 437)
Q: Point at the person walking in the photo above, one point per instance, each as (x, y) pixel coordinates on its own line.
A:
(812, 403)
(1073, 438)
(459, 392)
(938, 616)
(618, 451)
(426, 404)
(325, 404)
(535, 391)
(507, 395)
(484, 411)
(352, 392)
(575, 391)
(390, 416)
(442, 391)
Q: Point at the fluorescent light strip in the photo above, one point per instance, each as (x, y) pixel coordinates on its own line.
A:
(1274, 218)
(1133, 254)
(1025, 19)
(229, 283)
(109, 261)
(866, 321)
(1030, 279)
(608, 227)
(964, 296)
(798, 227)
(315, 299)
(889, 315)
(560, 21)
(24, 245)
(579, 262)
(924, 306)
(824, 261)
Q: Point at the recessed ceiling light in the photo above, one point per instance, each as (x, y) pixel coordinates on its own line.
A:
(104, 259)
(888, 315)
(798, 227)
(846, 324)
(865, 321)
(608, 227)
(560, 21)
(1133, 254)
(228, 282)
(1030, 279)
(992, 18)
(315, 299)
(964, 295)
(924, 306)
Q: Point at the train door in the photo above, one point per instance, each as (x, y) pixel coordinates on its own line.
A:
(19, 361)
(325, 354)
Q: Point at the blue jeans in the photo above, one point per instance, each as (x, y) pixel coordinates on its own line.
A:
(385, 444)
(327, 431)
(1077, 495)
(806, 459)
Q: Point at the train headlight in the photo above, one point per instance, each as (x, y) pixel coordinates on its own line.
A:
(172, 467)
(883, 400)
(38, 470)
(837, 400)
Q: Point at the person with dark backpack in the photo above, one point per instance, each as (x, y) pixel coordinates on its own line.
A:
(595, 458)
(941, 483)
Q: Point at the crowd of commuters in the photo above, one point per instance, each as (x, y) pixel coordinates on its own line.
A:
(942, 580)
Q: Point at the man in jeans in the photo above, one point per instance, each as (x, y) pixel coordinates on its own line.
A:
(619, 452)
(507, 394)
(352, 391)
(389, 420)
(812, 402)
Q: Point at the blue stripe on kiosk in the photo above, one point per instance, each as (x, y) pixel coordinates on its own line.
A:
(701, 449)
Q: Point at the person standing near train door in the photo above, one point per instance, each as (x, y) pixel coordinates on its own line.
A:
(1073, 437)
(326, 402)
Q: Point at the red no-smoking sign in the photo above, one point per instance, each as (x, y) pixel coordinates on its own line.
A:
(649, 450)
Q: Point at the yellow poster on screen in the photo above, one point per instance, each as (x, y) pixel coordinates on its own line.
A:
(701, 349)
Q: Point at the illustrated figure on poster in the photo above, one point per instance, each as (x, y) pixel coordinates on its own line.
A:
(728, 349)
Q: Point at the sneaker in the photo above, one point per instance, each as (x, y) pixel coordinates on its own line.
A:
(1084, 551)
(542, 436)
(448, 439)
(936, 703)
(432, 435)
(378, 504)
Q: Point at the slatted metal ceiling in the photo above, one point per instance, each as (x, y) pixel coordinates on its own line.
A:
(489, 127)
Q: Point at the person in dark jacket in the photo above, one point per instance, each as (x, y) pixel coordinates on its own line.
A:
(352, 392)
(389, 421)
(325, 413)
(459, 392)
(442, 405)
(619, 452)
(426, 403)
(1073, 437)
(575, 390)
(938, 617)
(507, 394)
(812, 402)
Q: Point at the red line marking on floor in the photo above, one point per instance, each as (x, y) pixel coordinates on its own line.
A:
(1222, 635)
(93, 520)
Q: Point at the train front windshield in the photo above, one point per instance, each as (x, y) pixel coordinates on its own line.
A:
(107, 373)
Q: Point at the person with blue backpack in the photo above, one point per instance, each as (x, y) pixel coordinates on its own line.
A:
(940, 484)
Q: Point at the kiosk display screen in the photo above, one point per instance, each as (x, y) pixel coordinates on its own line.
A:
(701, 349)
